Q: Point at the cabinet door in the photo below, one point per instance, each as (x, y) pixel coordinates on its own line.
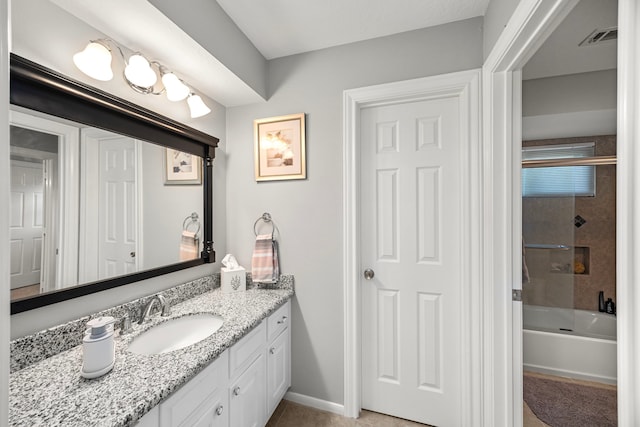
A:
(278, 370)
(198, 402)
(246, 396)
(215, 415)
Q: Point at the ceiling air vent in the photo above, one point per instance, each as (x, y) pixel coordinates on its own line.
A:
(599, 36)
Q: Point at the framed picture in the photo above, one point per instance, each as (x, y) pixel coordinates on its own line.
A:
(279, 149)
(182, 168)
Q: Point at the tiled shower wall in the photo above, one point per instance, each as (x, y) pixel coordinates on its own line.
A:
(598, 234)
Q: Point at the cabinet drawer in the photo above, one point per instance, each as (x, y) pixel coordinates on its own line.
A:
(245, 351)
(279, 320)
(196, 397)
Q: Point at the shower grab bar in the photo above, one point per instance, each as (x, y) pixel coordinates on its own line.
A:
(576, 161)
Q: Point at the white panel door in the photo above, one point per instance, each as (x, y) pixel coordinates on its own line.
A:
(26, 223)
(117, 224)
(411, 196)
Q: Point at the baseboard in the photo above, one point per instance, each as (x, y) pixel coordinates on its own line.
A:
(315, 403)
(570, 374)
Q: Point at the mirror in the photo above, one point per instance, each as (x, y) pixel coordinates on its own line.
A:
(90, 174)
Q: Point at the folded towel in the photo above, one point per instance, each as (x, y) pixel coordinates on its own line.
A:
(264, 262)
(189, 246)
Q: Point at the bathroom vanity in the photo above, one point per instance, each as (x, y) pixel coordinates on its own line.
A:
(235, 377)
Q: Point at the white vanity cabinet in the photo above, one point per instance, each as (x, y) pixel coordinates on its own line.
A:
(241, 388)
(247, 396)
(247, 382)
(202, 402)
(278, 355)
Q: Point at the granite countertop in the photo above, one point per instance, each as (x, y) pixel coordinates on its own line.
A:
(52, 392)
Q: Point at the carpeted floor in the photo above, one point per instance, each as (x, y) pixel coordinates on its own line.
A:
(561, 403)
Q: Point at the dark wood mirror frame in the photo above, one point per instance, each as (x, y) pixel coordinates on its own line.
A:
(40, 89)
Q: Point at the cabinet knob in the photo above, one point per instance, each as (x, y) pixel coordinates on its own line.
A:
(272, 350)
(281, 321)
(219, 410)
(236, 391)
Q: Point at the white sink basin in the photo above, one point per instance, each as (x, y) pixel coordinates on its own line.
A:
(175, 334)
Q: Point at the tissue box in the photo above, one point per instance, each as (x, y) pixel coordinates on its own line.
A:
(233, 280)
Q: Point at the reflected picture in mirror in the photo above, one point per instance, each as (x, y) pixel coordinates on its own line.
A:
(83, 201)
(182, 168)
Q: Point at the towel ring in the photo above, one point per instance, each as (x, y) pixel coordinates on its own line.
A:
(266, 217)
(194, 220)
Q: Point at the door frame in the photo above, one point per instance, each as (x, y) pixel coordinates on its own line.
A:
(67, 204)
(466, 86)
(530, 24)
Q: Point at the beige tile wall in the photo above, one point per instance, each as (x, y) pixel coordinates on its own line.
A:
(550, 221)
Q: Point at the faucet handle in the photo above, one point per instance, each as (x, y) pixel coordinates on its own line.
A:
(166, 310)
(125, 326)
(166, 307)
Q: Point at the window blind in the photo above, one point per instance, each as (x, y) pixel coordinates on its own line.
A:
(559, 181)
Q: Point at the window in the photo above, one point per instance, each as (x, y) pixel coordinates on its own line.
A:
(559, 181)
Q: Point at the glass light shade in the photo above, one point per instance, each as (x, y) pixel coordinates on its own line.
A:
(139, 72)
(95, 61)
(197, 106)
(176, 90)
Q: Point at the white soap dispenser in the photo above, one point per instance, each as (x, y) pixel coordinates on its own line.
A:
(98, 347)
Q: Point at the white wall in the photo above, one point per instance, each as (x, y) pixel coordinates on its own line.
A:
(4, 214)
(565, 94)
(309, 212)
(495, 19)
(567, 106)
(46, 34)
(165, 209)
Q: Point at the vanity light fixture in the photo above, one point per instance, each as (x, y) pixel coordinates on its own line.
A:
(139, 73)
(95, 61)
(197, 106)
(176, 89)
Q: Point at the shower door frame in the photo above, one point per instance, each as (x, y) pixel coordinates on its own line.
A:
(530, 24)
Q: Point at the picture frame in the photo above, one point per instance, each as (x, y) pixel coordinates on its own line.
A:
(279, 148)
(181, 168)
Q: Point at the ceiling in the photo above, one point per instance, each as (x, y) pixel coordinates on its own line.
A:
(285, 27)
(561, 53)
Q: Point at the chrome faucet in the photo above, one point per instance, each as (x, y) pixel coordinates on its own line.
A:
(166, 308)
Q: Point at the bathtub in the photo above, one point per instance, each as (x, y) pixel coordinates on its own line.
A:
(570, 343)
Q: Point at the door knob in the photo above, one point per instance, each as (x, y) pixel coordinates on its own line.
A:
(368, 274)
(132, 254)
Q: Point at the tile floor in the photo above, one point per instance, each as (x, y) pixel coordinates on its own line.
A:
(289, 414)
(26, 291)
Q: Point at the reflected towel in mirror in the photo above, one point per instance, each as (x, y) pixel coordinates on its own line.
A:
(189, 245)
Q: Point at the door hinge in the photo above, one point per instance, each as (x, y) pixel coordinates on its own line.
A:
(516, 295)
